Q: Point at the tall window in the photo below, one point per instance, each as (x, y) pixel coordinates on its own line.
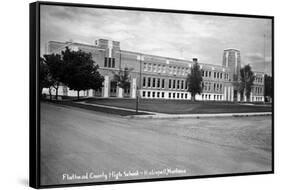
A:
(178, 84)
(109, 62)
(153, 82)
(174, 84)
(182, 84)
(105, 62)
(163, 83)
(170, 83)
(158, 83)
(148, 82)
(143, 81)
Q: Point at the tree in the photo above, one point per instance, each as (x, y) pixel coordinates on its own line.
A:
(44, 77)
(194, 81)
(123, 78)
(80, 72)
(267, 86)
(246, 81)
(56, 70)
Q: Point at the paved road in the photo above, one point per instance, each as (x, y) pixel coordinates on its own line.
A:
(85, 146)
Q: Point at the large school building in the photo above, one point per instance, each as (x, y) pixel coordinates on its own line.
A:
(157, 77)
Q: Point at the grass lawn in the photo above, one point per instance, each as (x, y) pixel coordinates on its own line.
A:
(182, 106)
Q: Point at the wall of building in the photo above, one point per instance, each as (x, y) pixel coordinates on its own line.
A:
(160, 77)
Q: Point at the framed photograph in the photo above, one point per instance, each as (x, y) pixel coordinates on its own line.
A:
(126, 94)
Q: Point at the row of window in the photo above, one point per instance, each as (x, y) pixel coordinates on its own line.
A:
(209, 97)
(217, 87)
(257, 98)
(217, 75)
(160, 83)
(153, 94)
(258, 80)
(109, 62)
(172, 70)
(257, 90)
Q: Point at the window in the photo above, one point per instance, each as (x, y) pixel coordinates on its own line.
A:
(153, 94)
(170, 94)
(153, 82)
(175, 70)
(159, 68)
(105, 62)
(145, 66)
(178, 95)
(178, 84)
(154, 68)
(174, 84)
(148, 94)
(149, 67)
(163, 83)
(148, 82)
(221, 75)
(215, 74)
(170, 83)
(113, 62)
(158, 94)
(143, 81)
(174, 95)
(109, 62)
(158, 83)
(206, 74)
(143, 93)
(210, 74)
(163, 94)
(182, 84)
(202, 73)
(179, 70)
(185, 96)
(170, 70)
(181, 95)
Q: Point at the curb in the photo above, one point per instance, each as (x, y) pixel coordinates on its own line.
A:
(181, 116)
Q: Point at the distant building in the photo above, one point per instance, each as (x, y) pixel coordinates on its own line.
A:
(157, 77)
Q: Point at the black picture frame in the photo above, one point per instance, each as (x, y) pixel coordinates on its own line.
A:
(34, 99)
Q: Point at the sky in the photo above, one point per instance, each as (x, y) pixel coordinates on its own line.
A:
(182, 36)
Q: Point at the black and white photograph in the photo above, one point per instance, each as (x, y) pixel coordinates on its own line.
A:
(135, 94)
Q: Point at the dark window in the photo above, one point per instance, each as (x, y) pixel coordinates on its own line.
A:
(153, 94)
(182, 84)
(174, 95)
(109, 62)
(148, 94)
(178, 84)
(113, 62)
(178, 95)
(148, 82)
(158, 94)
(202, 73)
(215, 74)
(210, 74)
(174, 84)
(170, 83)
(143, 94)
(162, 94)
(105, 62)
(163, 83)
(143, 81)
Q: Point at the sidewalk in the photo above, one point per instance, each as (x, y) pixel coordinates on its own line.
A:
(155, 115)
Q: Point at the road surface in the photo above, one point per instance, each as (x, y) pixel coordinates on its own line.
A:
(79, 146)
